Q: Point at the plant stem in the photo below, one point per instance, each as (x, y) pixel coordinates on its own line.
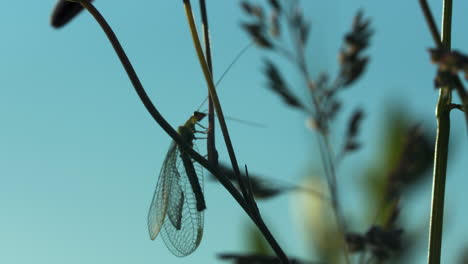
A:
(210, 142)
(441, 150)
(253, 213)
(326, 151)
(459, 88)
(430, 22)
(211, 86)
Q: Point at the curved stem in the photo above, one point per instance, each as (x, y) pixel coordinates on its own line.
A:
(441, 150)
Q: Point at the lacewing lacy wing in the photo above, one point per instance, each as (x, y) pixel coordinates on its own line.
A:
(175, 198)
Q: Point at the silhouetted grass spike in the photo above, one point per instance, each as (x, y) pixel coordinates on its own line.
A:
(351, 60)
(304, 32)
(253, 10)
(354, 124)
(257, 33)
(277, 84)
(360, 34)
(352, 70)
(301, 26)
(246, 7)
(261, 29)
(275, 5)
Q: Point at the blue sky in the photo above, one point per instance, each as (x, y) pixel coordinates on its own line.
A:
(80, 156)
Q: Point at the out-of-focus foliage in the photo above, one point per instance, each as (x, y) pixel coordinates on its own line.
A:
(318, 223)
(401, 165)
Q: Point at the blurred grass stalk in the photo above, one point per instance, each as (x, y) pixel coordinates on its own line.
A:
(441, 149)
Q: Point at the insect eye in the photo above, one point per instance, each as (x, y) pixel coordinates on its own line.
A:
(199, 115)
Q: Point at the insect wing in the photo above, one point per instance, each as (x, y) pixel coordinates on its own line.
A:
(176, 202)
(194, 180)
(160, 203)
(183, 241)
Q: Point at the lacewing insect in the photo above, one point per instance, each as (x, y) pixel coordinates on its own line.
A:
(176, 210)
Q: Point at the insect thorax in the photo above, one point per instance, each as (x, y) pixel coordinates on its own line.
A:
(187, 133)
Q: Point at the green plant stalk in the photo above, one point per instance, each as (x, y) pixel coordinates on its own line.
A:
(170, 131)
(211, 86)
(441, 150)
(214, 97)
(439, 177)
(459, 88)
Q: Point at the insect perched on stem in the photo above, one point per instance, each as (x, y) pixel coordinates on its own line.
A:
(178, 202)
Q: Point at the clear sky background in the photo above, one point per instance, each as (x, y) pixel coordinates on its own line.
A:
(80, 156)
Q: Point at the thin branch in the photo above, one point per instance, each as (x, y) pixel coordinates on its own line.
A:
(430, 22)
(211, 146)
(441, 150)
(211, 86)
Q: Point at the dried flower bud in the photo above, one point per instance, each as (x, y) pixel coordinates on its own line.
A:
(64, 11)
